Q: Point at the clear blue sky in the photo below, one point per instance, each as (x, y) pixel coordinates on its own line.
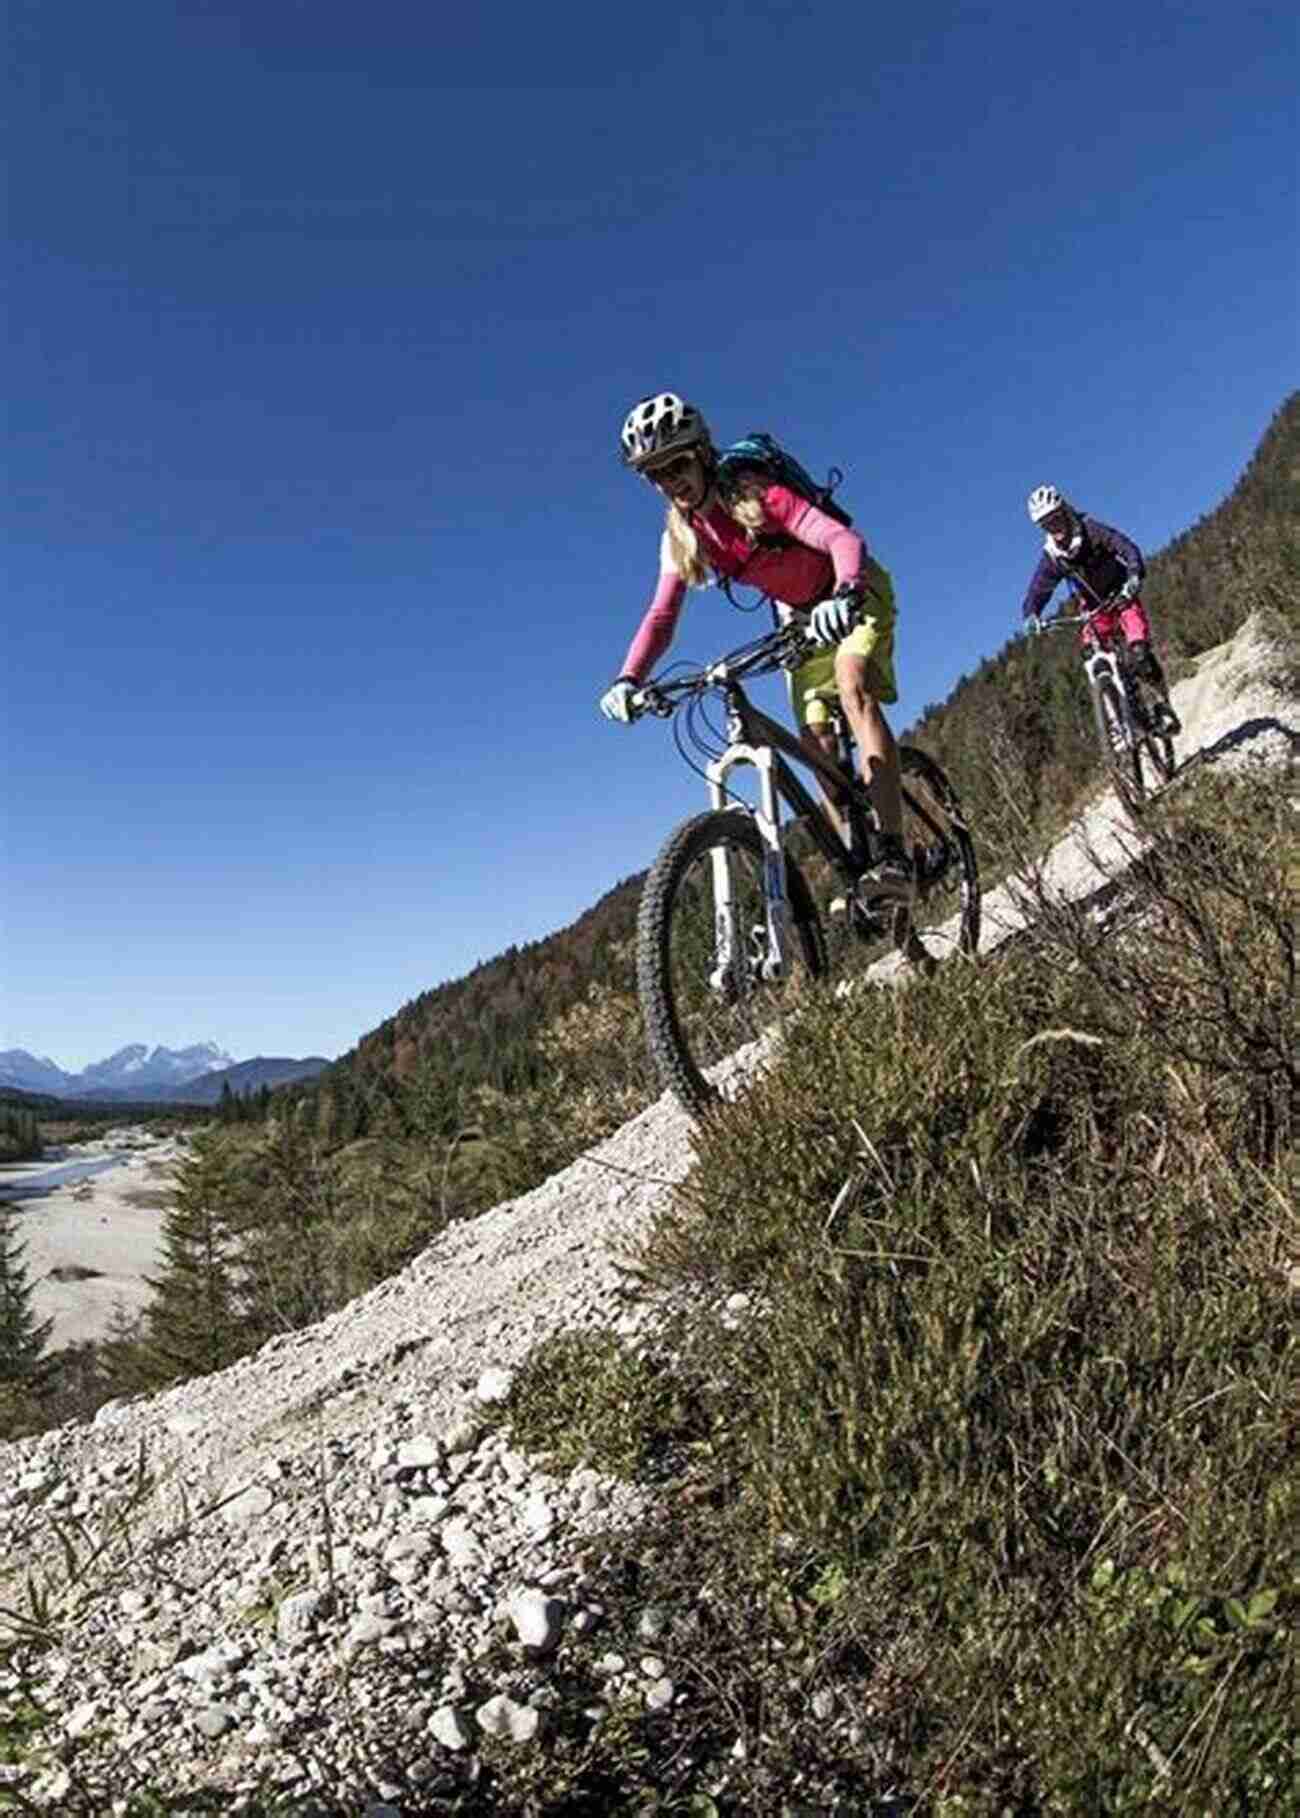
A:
(322, 323)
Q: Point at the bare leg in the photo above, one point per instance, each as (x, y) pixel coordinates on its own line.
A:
(877, 752)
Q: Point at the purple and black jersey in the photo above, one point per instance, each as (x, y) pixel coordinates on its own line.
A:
(1104, 562)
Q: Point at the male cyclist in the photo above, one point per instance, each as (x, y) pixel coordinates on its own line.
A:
(747, 529)
(1079, 548)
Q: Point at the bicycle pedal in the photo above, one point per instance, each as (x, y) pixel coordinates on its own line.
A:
(930, 862)
(872, 916)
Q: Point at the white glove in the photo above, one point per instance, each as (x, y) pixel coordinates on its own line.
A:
(616, 702)
(1130, 589)
(1035, 624)
(831, 620)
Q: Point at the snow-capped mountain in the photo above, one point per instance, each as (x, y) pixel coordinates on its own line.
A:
(32, 1072)
(135, 1071)
(140, 1068)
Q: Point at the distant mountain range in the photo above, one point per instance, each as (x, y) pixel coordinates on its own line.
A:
(139, 1073)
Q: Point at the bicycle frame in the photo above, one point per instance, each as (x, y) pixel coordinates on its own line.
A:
(757, 740)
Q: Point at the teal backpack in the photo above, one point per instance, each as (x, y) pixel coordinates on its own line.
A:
(762, 452)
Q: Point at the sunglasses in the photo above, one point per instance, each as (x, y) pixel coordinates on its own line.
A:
(667, 471)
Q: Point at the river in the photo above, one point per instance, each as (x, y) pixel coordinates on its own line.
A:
(15, 1185)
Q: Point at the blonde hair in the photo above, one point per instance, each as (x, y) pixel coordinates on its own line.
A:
(741, 500)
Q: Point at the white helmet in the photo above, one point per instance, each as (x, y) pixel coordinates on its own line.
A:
(1043, 501)
(658, 425)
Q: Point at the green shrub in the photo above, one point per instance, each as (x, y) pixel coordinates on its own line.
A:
(1004, 1454)
(586, 1398)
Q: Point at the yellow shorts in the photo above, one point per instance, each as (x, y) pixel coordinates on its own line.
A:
(812, 684)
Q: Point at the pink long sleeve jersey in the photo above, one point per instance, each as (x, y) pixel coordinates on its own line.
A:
(822, 554)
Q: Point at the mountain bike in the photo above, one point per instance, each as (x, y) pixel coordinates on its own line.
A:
(1127, 729)
(729, 933)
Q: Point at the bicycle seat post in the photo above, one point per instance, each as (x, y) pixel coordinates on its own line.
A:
(859, 828)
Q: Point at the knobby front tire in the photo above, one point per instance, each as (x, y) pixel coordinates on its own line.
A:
(1121, 749)
(693, 1020)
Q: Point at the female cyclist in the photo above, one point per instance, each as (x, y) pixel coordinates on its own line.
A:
(746, 528)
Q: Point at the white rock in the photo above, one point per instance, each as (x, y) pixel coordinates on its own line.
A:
(494, 1385)
(419, 1454)
(298, 1615)
(509, 1722)
(408, 1546)
(245, 1504)
(659, 1695)
(80, 1718)
(537, 1620)
(653, 1622)
(538, 1513)
(448, 1727)
(459, 1542)
(214, 1720)
(461, 1432)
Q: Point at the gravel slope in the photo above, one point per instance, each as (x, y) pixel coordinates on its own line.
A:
(403, 1364)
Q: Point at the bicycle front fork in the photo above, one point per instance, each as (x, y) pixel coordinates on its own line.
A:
(760, 951)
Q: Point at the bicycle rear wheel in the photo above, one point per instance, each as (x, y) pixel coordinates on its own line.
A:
(946, 913)
(1155, 750)
(703, 993)
(1158, 750)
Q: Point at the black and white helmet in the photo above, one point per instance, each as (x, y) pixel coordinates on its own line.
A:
(1042, 502)
(1057, 519)
(660, 425)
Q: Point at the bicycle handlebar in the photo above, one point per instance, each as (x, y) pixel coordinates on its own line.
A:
(1085, 617)
(775, 651)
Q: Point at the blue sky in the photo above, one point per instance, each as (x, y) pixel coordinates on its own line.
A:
(322, 324)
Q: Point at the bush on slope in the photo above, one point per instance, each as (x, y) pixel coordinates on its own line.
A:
(1002, 1461)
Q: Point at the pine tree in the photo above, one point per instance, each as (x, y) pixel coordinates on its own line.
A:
(194, 1324)
(23, 1337)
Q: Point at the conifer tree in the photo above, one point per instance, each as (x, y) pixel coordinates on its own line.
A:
(23, 1337)
(194, 1323)
(287, 1231)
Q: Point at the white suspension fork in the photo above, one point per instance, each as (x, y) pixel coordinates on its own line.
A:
(733, 951)
(1102, 666)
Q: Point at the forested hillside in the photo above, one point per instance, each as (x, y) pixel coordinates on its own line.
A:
(484, 1086)
(483, 1025)
(1024, 714)
(1027, 704)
